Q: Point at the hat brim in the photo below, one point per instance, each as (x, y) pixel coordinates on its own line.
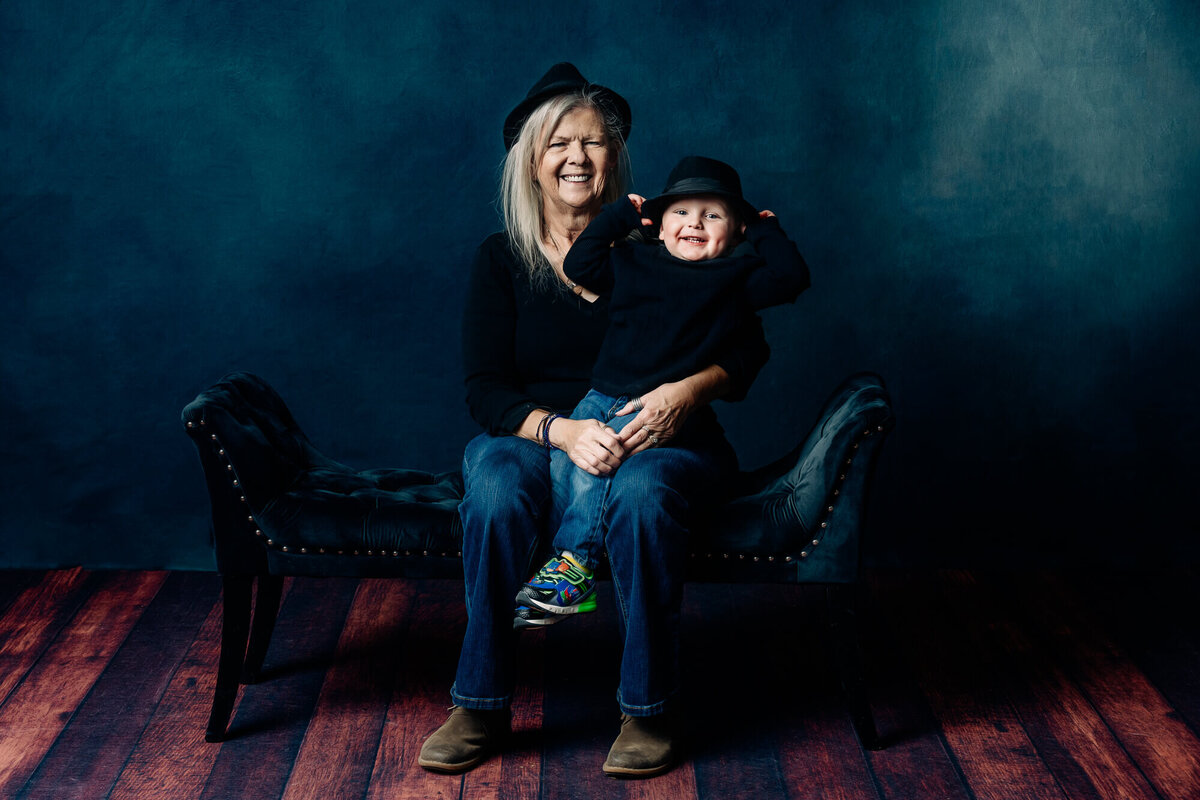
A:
(653, 209)
(604, 96)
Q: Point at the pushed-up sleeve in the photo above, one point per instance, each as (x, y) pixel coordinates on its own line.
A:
(743, 356)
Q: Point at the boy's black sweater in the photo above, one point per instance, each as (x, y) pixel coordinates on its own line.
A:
(668, 318)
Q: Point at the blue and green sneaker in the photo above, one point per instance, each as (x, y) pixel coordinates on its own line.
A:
(563, 586)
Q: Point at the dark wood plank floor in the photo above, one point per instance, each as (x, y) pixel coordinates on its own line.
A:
(985, 685)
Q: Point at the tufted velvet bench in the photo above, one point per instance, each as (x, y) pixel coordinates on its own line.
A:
(282, 508)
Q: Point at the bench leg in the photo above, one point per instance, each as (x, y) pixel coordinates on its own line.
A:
(235, 626)
(847, 650)
(266, 609)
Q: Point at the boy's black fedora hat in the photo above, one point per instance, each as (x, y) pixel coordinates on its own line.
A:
(695, 175)
(564, 78)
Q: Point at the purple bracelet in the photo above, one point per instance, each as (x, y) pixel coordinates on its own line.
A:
(546, 430)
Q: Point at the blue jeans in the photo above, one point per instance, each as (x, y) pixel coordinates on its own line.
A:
(508, 513)
(581, 495)
(506, 509)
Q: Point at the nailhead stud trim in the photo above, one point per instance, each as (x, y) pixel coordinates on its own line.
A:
(396, 553)
(836, 492)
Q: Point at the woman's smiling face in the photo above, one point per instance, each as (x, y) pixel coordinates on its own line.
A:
(576, 161)
(697, 228)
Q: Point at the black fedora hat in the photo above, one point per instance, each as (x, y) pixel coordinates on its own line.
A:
(564, 78)
(695, 175)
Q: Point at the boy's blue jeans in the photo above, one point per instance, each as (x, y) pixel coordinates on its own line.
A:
(508, 515)
(581, 495)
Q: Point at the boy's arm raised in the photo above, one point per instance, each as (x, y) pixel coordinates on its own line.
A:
(587, 262)
(783, 275)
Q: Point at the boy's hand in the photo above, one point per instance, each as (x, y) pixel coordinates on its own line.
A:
(637, 201)
(764, 214)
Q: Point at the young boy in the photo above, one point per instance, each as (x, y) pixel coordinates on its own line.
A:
(672, 307)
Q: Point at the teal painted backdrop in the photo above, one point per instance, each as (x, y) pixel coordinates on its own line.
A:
(999, 202)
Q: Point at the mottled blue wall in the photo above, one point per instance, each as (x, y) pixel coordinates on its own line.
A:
(999, 202)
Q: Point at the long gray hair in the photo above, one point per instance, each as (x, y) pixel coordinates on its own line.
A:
(520, 195)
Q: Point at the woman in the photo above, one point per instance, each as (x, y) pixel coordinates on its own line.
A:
(530, 338)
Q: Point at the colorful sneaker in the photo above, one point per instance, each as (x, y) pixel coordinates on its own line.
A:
(560, 587)
(527, 617)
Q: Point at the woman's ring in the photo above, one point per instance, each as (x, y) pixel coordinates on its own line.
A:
(637, 404)
(653, 440)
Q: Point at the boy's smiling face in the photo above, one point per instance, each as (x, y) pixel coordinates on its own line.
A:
(699, 227)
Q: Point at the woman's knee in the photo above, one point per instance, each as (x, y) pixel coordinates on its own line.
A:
(651, 483)
(656, 496)
(505, 472)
